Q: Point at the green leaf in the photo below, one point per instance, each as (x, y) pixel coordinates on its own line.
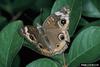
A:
(42, 4)
(10, 43)
(85, 48)
(42, 63)
(16, 61)
(12, 6)
(83, 22)
(95, 23)
(75, 6)
(91, 8)
(60, 59)
(22, 4)
(97, 4)
(6, 5)
(3, 22)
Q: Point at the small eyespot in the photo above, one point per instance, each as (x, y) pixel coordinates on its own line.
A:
(57, 45)
(61, 36)
(40, 46)
(63, 21)
(32, 37)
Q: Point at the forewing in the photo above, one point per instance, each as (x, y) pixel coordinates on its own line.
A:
(30, 33)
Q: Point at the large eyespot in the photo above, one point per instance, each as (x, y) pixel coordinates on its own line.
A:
(61, 36)
(63, 22)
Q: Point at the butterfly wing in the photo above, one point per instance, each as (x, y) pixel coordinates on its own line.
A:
(56, 29)
(30, 33)
(59, 19)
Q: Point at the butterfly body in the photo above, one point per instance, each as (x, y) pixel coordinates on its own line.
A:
(52, 36)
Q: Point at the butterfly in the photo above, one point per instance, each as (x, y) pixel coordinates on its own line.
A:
(52, 36)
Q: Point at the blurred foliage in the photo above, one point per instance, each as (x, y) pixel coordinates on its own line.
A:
(84, 30)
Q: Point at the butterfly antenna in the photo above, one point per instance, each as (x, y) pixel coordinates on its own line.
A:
(41, 15)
